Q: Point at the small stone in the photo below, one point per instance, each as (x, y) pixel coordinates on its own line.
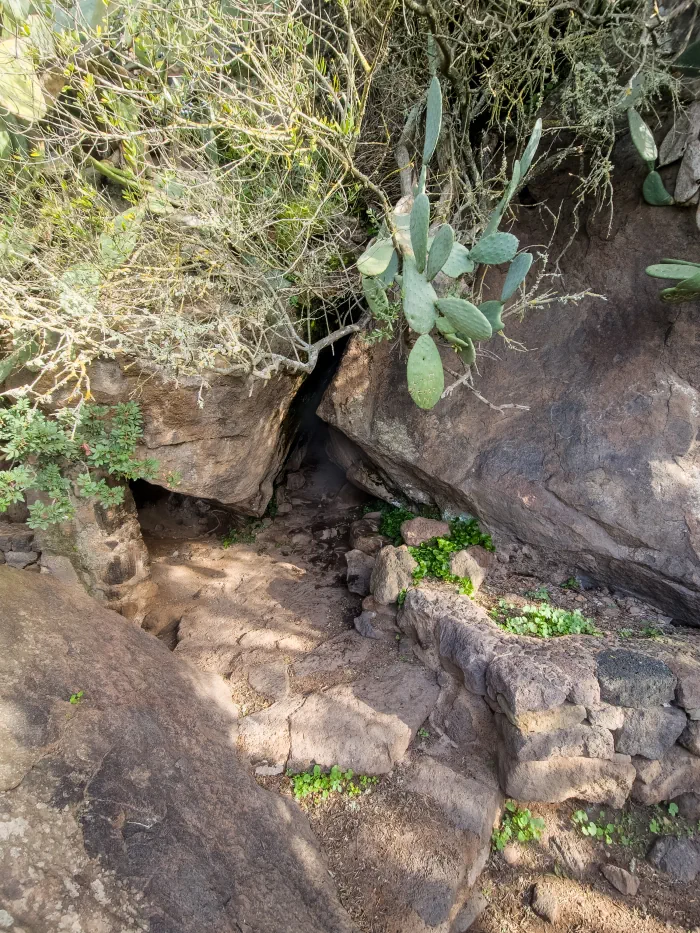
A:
(678, 858)
(295, 481)
(650, 732)
(512, 855)
(301, 539)
(581, 741)
(473, 562)
(545, 720)
(622, 880)
(284, 508)
(647, 771)
(359, 574)
(537, 685)
(363, 624)
(419, 530)
(690, 738)
(470, 913)
(60, 567)
(15, 537)
(546, 901)
(369, 604)
(689, 806)
(629, 678)
(606, 716)
(21, 559)
(393, 572)
(269, 770)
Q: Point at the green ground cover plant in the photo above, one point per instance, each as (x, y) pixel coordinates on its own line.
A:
(517, 825)
(318, 785)
(542, 621)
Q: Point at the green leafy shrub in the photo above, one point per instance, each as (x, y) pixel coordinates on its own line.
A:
(595, 829)
(391, 521)
(433, 557)
(319, 785)
(95, 444)
(517, 825)
(543, 621)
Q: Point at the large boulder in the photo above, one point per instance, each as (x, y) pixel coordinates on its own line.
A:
(229, 448)
(602, 468)
(124, 805)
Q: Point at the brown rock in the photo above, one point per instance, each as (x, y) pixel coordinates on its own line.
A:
(650, 732)
(135, 782)
(417, 531)
(592, 779)
(689, 806)
(360, 567)
(690, 738)
(580, 741)
(393, 572)
(679, 773)
(14, 537)
(621, 879)
(545, 720)
(473, 562)
(21, 559)
(547, 900)
(606, 716)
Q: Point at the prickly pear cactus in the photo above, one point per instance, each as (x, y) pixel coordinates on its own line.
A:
(405, 253)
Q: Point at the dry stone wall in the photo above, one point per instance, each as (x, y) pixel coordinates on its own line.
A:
(578, 716)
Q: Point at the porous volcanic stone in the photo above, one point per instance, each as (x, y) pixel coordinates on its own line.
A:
(629, 678)
(593, 779)
(21, 559)
(525, 685)
(650, 732)
(678, 858)
(546, 720)
(360, 567)
(679, 773)
(419, 530)
(393, 572)
(690, 738)
(606, 716)
(580, 741)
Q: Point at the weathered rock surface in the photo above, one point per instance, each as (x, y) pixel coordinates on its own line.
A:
(629, 678)
(690, 738)
(689, 806)
(417, 531)
(580, 741)
(606, 716)
(678, 858)
(393, 572)
(557, 779)
(678, 773)
(364, 536)
(118, 808)
(473, 562)
(547, 900)
(650, 732)
(366, 725)
(621, 879)
(602, 469)
(359, 574)
(230, 449)
(525, 687)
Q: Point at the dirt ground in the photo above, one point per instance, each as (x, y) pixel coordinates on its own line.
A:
(285, 575)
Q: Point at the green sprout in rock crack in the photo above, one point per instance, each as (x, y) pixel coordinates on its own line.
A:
(541, 593)
(319, 785)
(75, 698)
(649, 631)
(424, 734)
(517, 825)
(595, 829)
(543, 621)
(571, 584)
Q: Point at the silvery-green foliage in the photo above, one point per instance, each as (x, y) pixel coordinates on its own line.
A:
(459, 321)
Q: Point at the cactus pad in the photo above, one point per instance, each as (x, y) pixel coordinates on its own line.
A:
(375, 259)
(466, 319)
(519, 268)
(531, 148)
(418, 298)
(459, 262)
(495, 248)
(426, 379)
(420, 221)
(642, 137)
(433, 119)
(440, 250)
(687, 290)
(469, 354)
(375, 296)
(492, 312)
(387, 277)
(672, 270)
(654, 191)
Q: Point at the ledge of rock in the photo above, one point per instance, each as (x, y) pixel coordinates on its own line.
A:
(128, 809)
(558, 739)
(230, 449)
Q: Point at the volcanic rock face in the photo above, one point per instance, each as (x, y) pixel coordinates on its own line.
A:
(124, 804)
(229, 448)
(602, 468)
